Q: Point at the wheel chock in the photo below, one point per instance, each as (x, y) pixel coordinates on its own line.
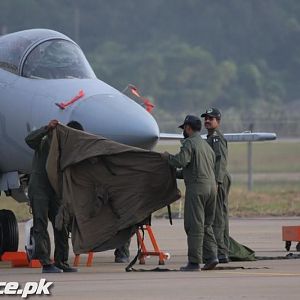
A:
(35, 263)
(19, 259)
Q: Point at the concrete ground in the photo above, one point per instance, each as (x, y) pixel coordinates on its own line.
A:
(268, 279)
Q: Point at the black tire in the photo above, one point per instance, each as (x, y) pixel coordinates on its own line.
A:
(288, 245)
(10, 231)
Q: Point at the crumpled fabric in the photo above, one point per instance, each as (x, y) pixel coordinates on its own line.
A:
(239, 252)
(106, 187)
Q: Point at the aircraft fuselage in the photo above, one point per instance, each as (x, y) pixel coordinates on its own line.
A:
(29, 102)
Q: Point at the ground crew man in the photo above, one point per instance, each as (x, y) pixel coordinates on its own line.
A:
(45, 204)
(219, 145)
(196, 162)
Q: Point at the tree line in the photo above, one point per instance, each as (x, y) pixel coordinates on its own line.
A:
(185, 55)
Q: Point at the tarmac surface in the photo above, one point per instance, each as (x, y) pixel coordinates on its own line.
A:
(263, 279)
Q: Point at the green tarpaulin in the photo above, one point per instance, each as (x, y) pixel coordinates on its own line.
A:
(239, 252)
(107, 187)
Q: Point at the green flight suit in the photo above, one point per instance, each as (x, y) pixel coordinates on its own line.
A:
(45, 203)
(221, 225)
(197, 161)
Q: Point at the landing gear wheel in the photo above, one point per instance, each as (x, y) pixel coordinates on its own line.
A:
(9, 232)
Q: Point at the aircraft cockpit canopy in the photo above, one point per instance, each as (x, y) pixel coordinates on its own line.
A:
(43, 54)
(12, 49)
(57, 59)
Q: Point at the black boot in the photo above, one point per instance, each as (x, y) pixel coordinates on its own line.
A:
(65, 267)
(121, 259)
(190, 267)
(223, 259)
(51, 269)
(210, 265)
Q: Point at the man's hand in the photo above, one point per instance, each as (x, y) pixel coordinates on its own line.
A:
(165, 155)
(52, 124)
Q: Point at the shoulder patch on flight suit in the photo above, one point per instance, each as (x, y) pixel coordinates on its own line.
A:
(215, 137)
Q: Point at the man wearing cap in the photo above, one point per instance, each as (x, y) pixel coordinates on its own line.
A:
(195, 162)
(218, 143)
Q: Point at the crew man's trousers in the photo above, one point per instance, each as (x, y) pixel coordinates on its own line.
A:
(45, 206)
(199, 213)
(221, 224)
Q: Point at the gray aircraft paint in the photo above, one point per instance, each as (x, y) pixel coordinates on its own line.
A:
(28, 103)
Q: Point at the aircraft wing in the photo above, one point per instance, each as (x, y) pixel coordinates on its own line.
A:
(230, 137)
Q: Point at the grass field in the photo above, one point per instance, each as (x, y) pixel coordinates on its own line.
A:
(276, 174)
(268, 157)
(276, 190)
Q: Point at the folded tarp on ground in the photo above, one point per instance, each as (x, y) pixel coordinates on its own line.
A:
(107, 187)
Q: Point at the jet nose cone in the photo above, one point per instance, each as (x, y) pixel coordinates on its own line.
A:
(118, 118)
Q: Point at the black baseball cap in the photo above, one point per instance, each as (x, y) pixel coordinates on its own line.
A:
(212, 112)
(191, 120)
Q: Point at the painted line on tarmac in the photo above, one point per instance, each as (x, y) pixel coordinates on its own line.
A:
(262, 274)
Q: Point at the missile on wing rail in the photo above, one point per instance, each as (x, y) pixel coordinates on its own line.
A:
(230, 137)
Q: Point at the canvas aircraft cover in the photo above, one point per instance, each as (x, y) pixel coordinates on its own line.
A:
(107, 188)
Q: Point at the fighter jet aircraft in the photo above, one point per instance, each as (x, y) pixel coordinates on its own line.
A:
(44, 75)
